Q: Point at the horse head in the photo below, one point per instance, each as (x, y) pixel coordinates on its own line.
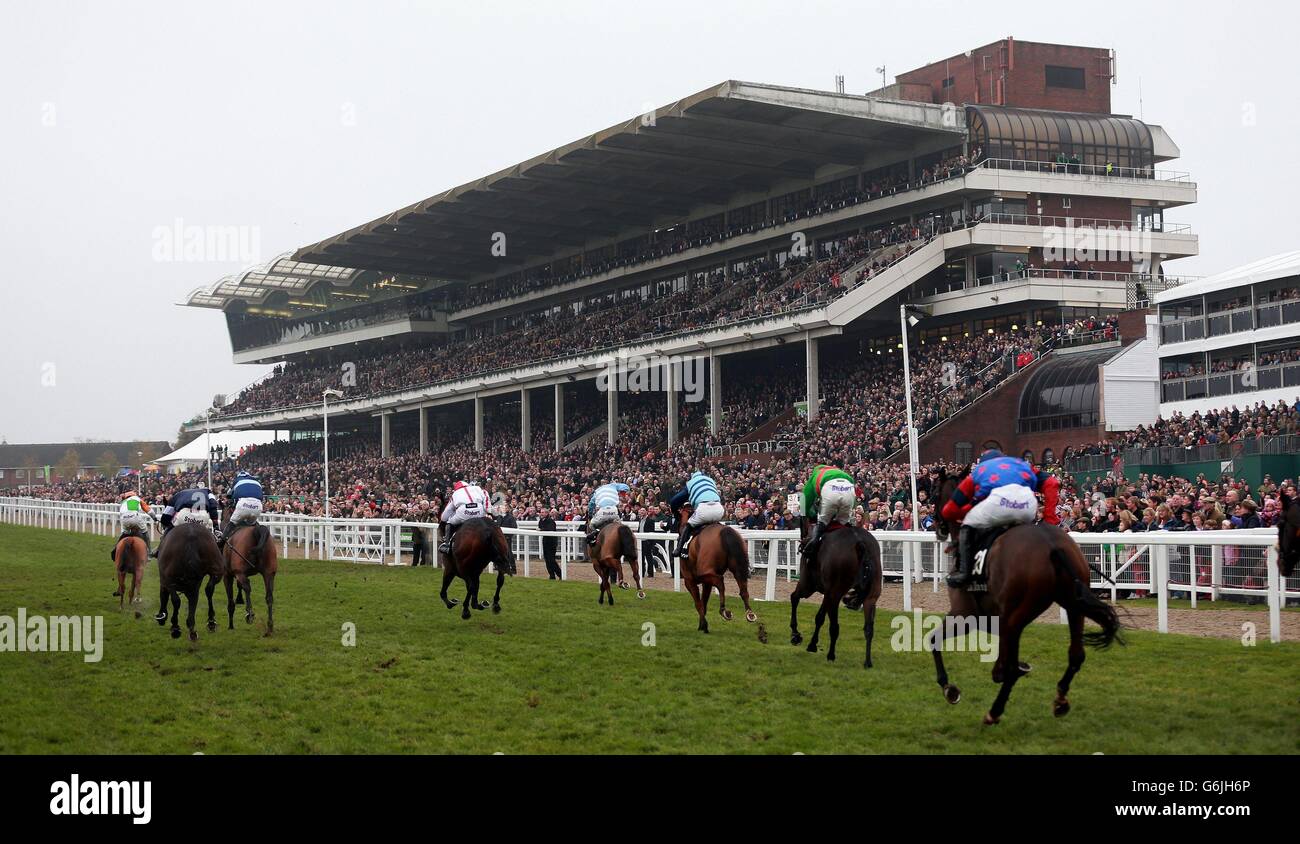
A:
(947, 486)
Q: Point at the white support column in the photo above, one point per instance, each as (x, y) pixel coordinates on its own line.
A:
(424, 430)
(671, 381)
(559, 417)
(611, 411)
(478, 423)
(385, 435)
(715, 394)
(525, 421)
(810, 346)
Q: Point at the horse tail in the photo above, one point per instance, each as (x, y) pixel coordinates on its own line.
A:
(502, 556)
(628, 544)
(190, 558)
(261, 533)
(734, 547)
(1087, 602)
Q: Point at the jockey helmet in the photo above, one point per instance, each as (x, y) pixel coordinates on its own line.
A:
(459, 485)
(989, 454)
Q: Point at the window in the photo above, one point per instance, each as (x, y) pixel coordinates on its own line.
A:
(1065, 202)
(1064, 77)
(963, 452)
(949, 82)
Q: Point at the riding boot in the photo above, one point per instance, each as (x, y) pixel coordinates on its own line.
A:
(592, 536)
(445, 546)
(814, 541)
(688, 530)
(965, 557)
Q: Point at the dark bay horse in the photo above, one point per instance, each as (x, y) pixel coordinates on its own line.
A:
(476, 543)
(715, 550)
(188, 554)
(1029, 568)
(841, 555)
(615, 544)
(130, 555)
(249, 551)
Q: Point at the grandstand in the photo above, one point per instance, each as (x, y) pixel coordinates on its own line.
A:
(758, 230)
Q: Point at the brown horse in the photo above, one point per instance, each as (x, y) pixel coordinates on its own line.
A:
(715, 550)
(1029, 568)
(131, 554)
(249, 551)
(833, 573)
(188, 554)
(476, 543)
(614, 544)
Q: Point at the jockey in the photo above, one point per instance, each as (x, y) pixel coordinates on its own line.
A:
(701, 493)
(196, 500)
(998, 491)
(245, 500)
(830, 495)
(134, 516)
(468, 501)
(604, 506)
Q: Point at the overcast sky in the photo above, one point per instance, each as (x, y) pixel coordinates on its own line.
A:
(299, 120)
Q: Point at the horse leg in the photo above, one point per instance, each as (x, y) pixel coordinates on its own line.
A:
(706, 589)
(230, 600)
(496, 598)
(121, 587)
(137, 579)
(1009, 656)
(694, 589)
(191, 604)
(868, 627)
(478, 581)
(795, 636)
(634, 566)
(241, 578)
(835, 627)
(743, 587)
(822, 612)
(176, 614)
(212, 613)
(161, 617)
(471, 591)
(722, 599)
(934, 641)
(268, 579)
(1061, 705)
(447, 577)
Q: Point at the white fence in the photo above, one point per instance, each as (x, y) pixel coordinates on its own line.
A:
(1198, 565)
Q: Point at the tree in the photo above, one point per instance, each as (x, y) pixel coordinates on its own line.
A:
(108, 464)
(29, 465)
(69, 464)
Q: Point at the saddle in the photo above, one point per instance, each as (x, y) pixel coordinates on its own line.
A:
(984, 539)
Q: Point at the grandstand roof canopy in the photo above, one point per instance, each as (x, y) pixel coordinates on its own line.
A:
(706, 149)
(1282, 265)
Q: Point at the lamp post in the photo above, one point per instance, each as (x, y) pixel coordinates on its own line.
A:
(325, 412)
(909, 315)
(139, 487)
(208, 417)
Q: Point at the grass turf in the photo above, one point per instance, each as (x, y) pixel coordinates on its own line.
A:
(556, 673)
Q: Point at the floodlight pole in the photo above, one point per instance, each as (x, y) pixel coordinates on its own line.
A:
(913, 450)
(208, 417)
(325, 414)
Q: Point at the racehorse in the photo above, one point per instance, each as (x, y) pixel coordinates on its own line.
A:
(249, 551)
(1288, 535)
(715, 550)
(476, 543)
(842, 553)
(1029, 567)
(614, 544)
(188, 554)
(131, 555)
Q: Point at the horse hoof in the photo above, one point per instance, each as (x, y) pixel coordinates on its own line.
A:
(1060, 707)
(176, 632)
(812, 647)
(194, 637)
(952, 694)
(137, 614)
(161, 619)
(726, 615)
(117, 594)
(796, 639)
(212, 627)
(1025, 668)
(496, 609)
(640, 593)
(248, 619)
(622, 584)
(751, 616)
(990, 719)
(830, 657)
